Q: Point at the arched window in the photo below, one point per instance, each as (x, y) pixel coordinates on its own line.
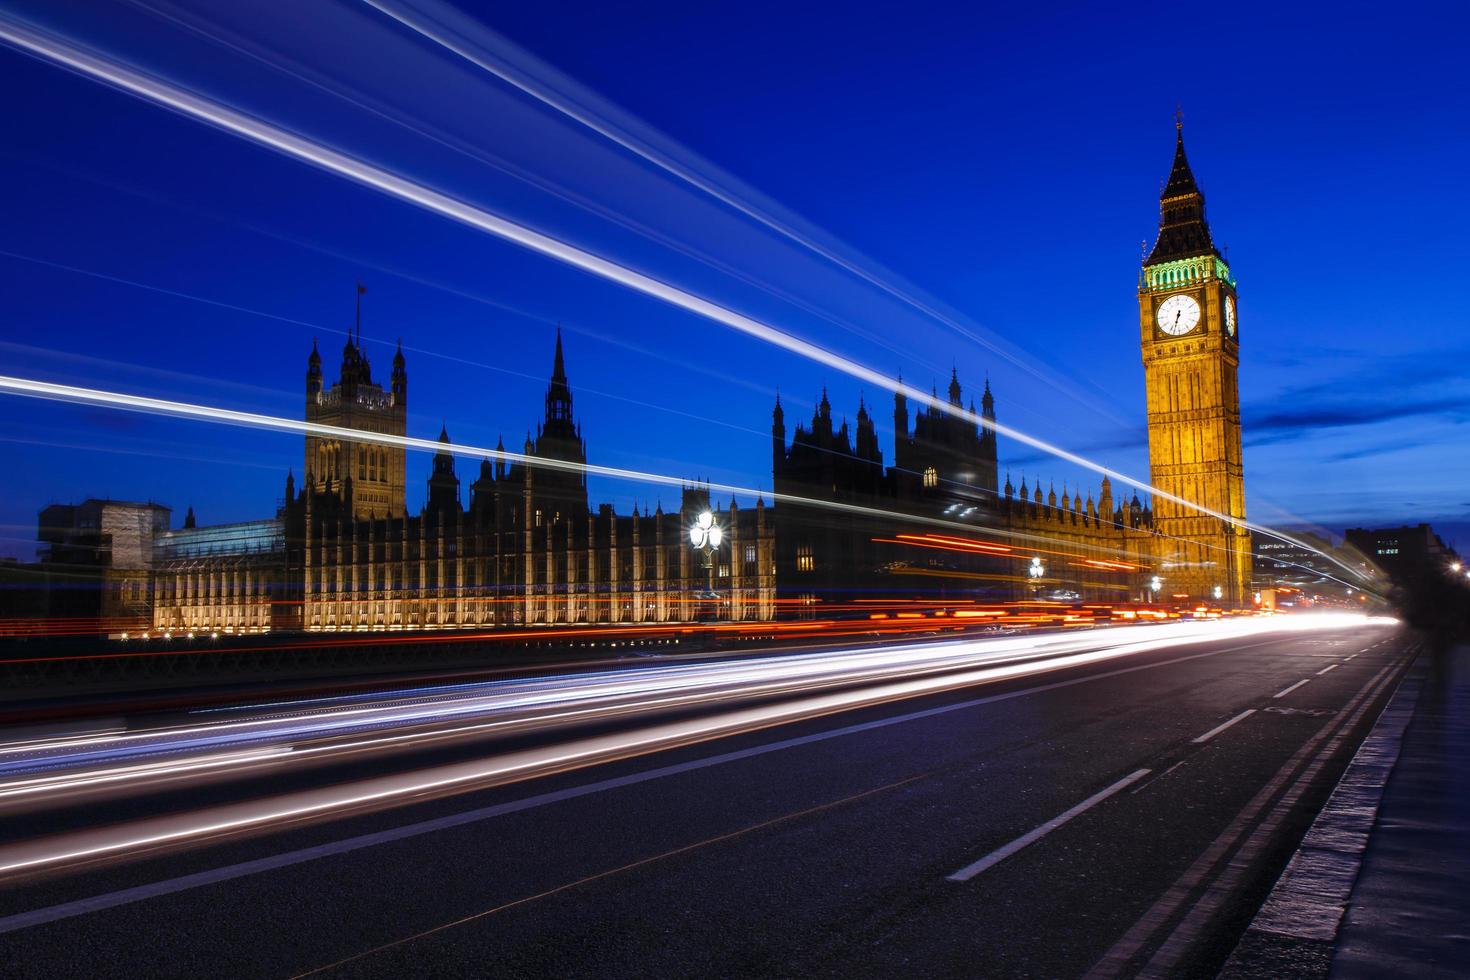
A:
(931, 477)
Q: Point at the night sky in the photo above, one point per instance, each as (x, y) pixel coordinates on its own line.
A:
(1005, 162)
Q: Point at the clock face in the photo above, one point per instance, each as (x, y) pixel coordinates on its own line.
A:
(1177, 315)
(1230, 315)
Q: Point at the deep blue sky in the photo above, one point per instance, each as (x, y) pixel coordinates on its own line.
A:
(1006, 160)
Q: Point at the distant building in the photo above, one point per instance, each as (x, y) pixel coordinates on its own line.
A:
(1404, 553)
(97, 557)
(1312, 571)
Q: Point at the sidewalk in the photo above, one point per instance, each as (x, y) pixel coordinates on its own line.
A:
(1410, 911)
(1380, 886)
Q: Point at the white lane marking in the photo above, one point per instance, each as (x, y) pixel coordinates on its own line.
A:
(169, 886)
(1345, 660)
(1026, 840)
(1282, 694)
(1220, 728)
(1143, 786)
(1327, 668)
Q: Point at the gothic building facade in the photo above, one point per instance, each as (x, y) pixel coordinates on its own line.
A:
(936, 522)
(935, 525)
(342, 552)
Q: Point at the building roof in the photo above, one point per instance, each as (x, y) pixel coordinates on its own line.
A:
(1183, 230)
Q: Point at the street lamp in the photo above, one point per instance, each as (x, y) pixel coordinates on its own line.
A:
(706, 536)
(1219, 593)
(1154, 585)
(1035, 571)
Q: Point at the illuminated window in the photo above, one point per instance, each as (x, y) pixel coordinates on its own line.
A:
(538, 516)
(750, 554)
(931, 477)
(804, 560)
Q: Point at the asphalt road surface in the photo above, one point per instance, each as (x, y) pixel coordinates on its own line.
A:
(1113, 818)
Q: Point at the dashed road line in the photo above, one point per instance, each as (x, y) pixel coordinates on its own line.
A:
(1145, 785)
(1220, 728)
(1026, 840)
(1327, 668)
(1282, 694)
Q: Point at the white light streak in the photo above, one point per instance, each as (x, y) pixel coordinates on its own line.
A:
(487, 50)
(207, 413)
(50, 47)
(43, 44)
(829, 681)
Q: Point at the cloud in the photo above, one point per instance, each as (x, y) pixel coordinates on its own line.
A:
(1364, 452)
(1281, 426)
(1393, 372)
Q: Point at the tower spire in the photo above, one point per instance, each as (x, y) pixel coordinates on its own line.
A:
(360, 290)
(1183, 231)
(559, 393)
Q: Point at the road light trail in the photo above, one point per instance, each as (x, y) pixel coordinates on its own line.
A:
(50, 47)
(819, 685)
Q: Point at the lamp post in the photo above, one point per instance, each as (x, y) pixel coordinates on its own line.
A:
(1154, 585)
(1035, 571)
(705, 534)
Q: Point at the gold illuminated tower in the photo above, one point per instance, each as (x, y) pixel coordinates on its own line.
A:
(1190, 336)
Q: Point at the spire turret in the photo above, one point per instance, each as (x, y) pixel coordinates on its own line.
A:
(559, 394)
(443, 483)
(1183, 231)
(400, 376)
(778, 436)
(313, 372)
(558, 364)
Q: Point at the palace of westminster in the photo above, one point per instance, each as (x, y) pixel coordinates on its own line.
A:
(523, 547)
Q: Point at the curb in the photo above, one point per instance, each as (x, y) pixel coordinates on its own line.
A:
(1295, 931)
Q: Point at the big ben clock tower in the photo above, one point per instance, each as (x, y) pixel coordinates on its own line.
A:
(1191, 352)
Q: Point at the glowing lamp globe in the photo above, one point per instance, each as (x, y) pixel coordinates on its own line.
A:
(705, 533)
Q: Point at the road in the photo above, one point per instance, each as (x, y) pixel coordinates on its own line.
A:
(1075, 816)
